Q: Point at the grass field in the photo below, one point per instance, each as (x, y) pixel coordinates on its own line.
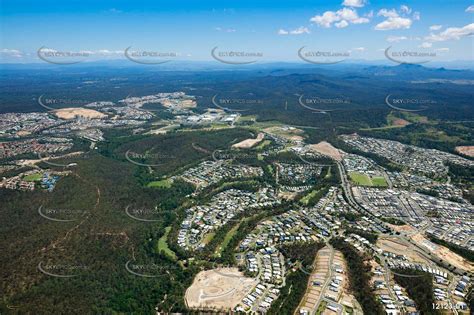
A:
(208, 238)
(227, 239)
(379, 182)
(360, 179)
(364, 180)
(163, 244)
(33, 177)
(308, 197)
(165, 183)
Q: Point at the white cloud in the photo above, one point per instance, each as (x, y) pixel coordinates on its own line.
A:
(344, 17)
(388, 13)
(452, 33)
(405, 9)
(11, 53)
(326, 19)
(470, 9)
(394, 21)
(396, 39)
(300, 30)
(416, 16)
(227, 30)
(435, 27)
(426, 45)
(444, 49)
(394, 24)
(341, 24)
(354, 3)
(359, 49)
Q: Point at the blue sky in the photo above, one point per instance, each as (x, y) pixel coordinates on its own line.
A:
(276, 29)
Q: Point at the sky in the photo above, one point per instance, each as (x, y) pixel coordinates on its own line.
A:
(258, 30)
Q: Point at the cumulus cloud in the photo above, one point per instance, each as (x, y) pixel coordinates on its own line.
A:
(300, 30)
(435, 27)
(470, 9)
(444, 49)
(354, 3)
(452, 33)
(341, 24)
(396, 20)
(341, 18)
(359, 49)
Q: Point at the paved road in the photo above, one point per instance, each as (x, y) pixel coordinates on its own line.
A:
(328, 280)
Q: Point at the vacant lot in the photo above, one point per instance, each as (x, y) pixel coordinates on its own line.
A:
(327, 149)
(71, 113)
(221, 288)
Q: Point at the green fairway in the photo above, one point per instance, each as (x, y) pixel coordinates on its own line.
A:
(33, 177)
(360, 179)
(163, 244)
(165, 183)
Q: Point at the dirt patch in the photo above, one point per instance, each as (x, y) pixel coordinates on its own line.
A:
(400, 122)
(466, 150)
(71, 113)
(221, 288)
(248, 143)
(443, 252)
(327, 149)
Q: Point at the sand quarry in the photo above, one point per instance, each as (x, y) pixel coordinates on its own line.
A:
(221, 288)
(71, 113)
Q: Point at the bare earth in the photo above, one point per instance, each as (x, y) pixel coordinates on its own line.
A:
(248, 143)
(221, 288)
(400, 122)
(466, 150)
(327, 149)
(445, 253)
(71, 113)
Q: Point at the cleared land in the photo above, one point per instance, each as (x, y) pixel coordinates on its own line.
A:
(71, 113)
(327, 149)
(443, 252)
(466, 150)
(248, 143)
(221, 288)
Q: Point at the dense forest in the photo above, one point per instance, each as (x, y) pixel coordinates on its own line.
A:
(359, 277)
